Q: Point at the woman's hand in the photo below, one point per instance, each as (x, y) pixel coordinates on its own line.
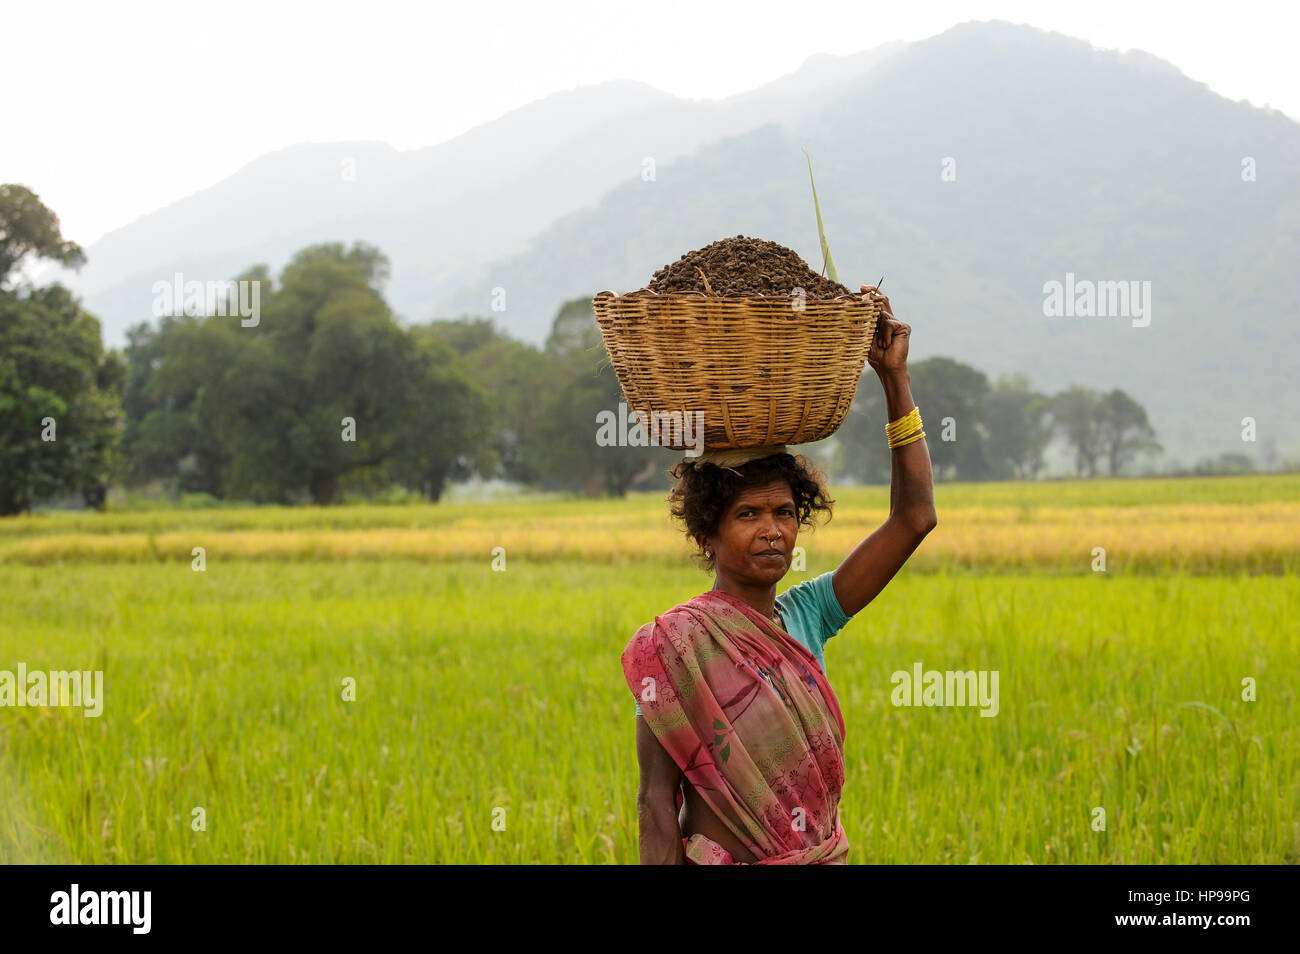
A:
(888, 351)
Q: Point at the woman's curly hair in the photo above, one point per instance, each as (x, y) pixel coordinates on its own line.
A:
(702, 495)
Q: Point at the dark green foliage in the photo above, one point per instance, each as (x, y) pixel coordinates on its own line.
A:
(60, 404)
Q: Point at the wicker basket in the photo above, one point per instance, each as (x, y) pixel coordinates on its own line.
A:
(761, 371)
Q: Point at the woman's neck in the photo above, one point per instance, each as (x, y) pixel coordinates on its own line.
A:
(761, 598)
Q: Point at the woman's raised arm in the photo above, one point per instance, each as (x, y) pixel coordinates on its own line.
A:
(875, 560)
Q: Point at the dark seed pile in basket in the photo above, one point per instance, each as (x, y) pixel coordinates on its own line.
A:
(744, 267)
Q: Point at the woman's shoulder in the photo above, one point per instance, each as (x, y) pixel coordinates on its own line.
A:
(683, 614)
(815, 601)
(814, 588)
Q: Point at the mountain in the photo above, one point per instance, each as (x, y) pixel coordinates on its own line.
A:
(321, 185)
(440, 213)
(1071, 164)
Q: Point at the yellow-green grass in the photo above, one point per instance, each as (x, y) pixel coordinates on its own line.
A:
(479, 690)
(1195, 525)
(1024, 496)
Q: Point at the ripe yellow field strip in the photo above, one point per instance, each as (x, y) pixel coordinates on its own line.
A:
(1204, 536)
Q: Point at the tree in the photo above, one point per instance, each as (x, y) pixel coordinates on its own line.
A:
(561, 446)
(1018, 422)
(943, 388)
(60, 401)
(861, 450)
(465, 336)
(514, 372)
(327, 385)
(1075, 414)
(451, 438)
(1123, 430)
(30, 230)
(1226, 463)
(947, 389)
(326, 388)
(162, 439)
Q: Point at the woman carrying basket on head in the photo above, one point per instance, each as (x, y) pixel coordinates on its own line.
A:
(739, 735)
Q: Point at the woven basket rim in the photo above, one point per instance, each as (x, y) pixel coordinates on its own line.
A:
(647, 293)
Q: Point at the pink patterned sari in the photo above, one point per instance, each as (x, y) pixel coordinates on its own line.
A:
(747, 714)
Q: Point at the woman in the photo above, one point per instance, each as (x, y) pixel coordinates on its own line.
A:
(739, 735)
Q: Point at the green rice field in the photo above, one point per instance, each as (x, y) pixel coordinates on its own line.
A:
(490, 721)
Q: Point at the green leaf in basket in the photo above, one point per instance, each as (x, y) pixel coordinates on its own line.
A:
(821, 229)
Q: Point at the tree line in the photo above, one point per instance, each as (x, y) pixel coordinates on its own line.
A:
(327, 393)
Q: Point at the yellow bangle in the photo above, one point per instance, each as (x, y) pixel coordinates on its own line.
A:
(908, 440)
(904, 423)
(905, 426)
(908, 432)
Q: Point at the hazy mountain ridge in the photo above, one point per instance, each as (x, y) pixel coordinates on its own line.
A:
(311, 185)
(440, 213)
(1106, 165)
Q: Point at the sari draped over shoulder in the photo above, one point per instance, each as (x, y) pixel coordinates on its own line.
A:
(747, 714)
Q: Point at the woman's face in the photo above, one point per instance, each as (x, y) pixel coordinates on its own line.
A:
(756, 535)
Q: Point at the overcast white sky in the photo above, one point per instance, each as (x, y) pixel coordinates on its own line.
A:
(116, 109)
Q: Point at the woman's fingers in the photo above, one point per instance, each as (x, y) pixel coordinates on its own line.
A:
(885, 307)
(888, 328)
(884, 334)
